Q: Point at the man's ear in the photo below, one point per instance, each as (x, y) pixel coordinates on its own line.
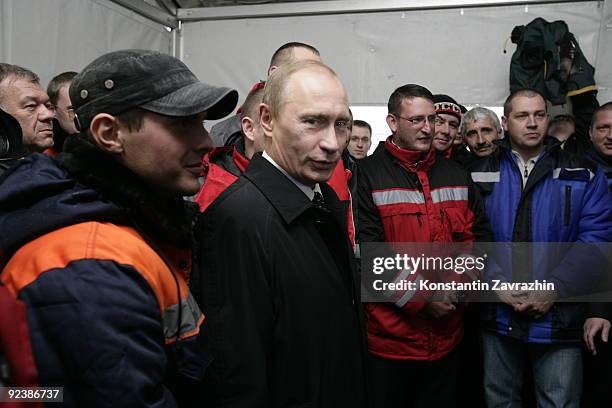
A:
(265, 119)
(505, 123)
(248, 125)
(392, 123)
(272, 69)
(106, 133)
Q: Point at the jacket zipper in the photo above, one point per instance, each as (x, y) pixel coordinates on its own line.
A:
(568, 204)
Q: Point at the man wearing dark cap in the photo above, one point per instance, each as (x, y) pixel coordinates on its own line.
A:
(97, 243)
(448, 119)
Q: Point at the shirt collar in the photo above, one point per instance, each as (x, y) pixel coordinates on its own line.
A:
(310, 192)
(518, 157)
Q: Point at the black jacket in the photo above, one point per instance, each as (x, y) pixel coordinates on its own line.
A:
(283, 313)
(11, 146)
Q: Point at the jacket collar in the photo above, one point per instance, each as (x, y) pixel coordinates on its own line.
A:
(166, 219)
(411, 160)
(282, 193)
(550, 143)
(604, 162)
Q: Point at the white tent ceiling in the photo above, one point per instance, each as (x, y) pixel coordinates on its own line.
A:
(450, 46)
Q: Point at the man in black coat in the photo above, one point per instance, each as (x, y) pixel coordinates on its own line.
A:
(276, 279)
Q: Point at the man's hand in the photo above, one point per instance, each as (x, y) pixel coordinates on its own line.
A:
(592, 326)
(511, 297)
(438, 310)
(538, 303)
(534, 309)
(441, 305)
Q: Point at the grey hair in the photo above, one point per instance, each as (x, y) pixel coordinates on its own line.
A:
(10, 71)
(480, 113)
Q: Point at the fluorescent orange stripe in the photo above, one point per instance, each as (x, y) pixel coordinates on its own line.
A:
(98, 241)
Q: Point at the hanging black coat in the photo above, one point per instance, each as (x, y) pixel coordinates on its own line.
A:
(549, 60)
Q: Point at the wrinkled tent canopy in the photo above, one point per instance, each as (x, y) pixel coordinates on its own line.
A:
(374, 46)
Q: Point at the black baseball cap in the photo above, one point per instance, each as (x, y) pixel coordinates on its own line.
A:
(121, 80)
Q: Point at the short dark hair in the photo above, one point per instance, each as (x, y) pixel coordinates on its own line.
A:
(528, 92)
(606, 106)
(56, 84)
(10, 70)
(285, 53)
(362, 123)
(404, 92)
(132, 118)
(250, 107)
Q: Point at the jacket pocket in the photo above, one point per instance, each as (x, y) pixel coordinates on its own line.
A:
(453, 220)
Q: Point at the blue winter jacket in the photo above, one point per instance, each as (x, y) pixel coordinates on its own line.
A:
(565, 200)
(102, 298)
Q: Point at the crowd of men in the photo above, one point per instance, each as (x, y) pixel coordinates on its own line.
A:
(249, 293)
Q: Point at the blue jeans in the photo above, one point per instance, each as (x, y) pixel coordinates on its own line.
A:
(557, 372)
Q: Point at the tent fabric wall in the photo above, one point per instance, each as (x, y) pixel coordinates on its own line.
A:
(50, 37)
(603, 73)
(453, 51)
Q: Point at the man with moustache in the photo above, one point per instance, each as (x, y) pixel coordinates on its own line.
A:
(409, 193)
(480, 129)
(22, 97)
(536, 192)
(277, 276)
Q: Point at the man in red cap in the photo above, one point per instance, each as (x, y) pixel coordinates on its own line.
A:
(448, 119)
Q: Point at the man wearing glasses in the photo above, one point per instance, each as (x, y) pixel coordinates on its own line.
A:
(410, 194)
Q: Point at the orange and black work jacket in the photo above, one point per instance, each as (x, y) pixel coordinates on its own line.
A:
(106, 300)
(407, 196)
